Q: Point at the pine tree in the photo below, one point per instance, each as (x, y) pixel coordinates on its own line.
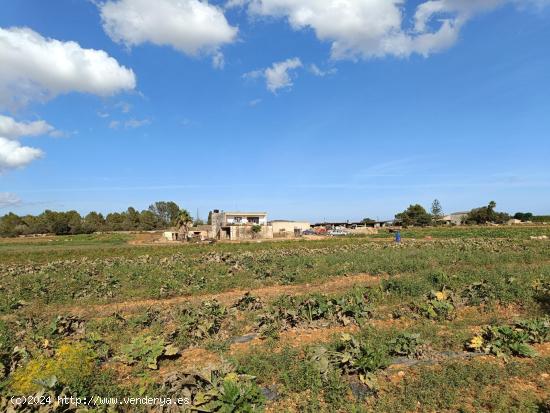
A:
(437, 210)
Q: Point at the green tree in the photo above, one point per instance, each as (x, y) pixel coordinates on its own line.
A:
(131, 219)
(114, 221)
(367, 221)
(256, 229)
(486, 214)
(414, 215)
(9, 224)
(93, 222)
(166, 212)
(74, 221)
(148, 221)
(523, 216)
(183, 222)
(437, 210)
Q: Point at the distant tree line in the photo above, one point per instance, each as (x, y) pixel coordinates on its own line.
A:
(416, 215)
(159, 215)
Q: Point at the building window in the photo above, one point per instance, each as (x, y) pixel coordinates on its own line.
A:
(238, 220)
(254, 220)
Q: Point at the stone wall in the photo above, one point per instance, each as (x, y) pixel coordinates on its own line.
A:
(245, 232)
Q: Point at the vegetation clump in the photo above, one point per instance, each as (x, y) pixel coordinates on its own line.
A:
(439, 305)
(147, 350)
(512, 340)
(407, 344)
(287, 312)
(197, 324)
(73, 365)
(216, 390)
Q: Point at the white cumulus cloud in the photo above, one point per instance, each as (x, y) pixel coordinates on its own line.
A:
(13, 155)
(11, 129)
(37, 68)
(277, 76)
(190, 26)
(377, 28)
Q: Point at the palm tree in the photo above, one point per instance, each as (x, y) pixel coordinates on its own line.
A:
(182, 223)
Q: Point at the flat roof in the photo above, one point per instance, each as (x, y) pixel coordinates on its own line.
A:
(287, 220)
(245, 213)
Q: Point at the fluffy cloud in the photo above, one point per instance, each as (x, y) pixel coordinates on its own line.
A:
(376, 28)
(7, 199)
(190, 26)
(277, 76)
(14, 155)
(11, 129)
(37, 68)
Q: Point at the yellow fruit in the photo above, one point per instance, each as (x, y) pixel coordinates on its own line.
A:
(441, 296)
(476, 342)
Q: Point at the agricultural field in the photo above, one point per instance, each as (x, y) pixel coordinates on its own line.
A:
(449, 320)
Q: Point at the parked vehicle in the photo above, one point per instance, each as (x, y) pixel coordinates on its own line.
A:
(308, 232)
(336, 233)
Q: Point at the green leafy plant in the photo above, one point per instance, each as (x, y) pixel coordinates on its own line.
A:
(478, 293)
(287, 312)
(406, 344)
(438, 306)
(216, 390)
(351, 355)
(511, 340)
(197, 324)
(147, 350)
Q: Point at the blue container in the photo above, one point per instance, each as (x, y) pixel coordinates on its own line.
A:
(398, 236)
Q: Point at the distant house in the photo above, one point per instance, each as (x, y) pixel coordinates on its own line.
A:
(171, 236)
(201, 232)
(456, 218)
(352, 225)
(240, 225)
(284, 229)
(244, 218)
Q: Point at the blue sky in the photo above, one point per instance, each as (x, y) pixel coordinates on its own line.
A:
(291, 107)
